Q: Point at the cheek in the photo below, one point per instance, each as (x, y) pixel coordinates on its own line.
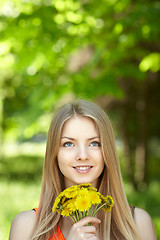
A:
(101, 164)
(63, 158)
(61, 163)
(59, 159)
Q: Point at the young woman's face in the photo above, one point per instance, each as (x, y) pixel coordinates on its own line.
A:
(80, 157)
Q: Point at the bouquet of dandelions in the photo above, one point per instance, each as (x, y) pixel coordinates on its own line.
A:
(80, 201)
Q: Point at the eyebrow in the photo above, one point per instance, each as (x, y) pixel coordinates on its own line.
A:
(70, 138)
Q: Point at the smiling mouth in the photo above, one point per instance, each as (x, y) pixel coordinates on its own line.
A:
(83, 168)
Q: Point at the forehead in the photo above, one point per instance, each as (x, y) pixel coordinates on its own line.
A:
(79, 124)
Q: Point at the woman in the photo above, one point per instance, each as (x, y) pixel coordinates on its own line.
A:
(81, 149)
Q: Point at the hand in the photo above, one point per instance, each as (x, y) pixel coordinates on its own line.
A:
(80, 231)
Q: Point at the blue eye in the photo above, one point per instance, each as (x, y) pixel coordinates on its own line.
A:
(95, 144)
(68, 144)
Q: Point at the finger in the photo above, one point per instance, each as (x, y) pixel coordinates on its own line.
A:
(86, 236)
(89, 229)
(86, 220)
(94, 238)
(83, 234)
(86, 230)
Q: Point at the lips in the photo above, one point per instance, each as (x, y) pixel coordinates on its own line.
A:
(82, 169)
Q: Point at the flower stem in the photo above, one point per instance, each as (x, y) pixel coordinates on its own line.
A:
(72, 219)
(93, 214)
(89, 211)
(97, 209)
(77, 215)
(81, 214)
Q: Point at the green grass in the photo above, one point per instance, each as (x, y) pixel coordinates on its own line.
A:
(16, 197)
(20, 180)
(20, 183)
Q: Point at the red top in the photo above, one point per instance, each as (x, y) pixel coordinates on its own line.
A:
(58, 235)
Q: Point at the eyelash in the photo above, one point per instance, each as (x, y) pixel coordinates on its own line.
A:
(97, 144)
(66, 144)
(92, 144)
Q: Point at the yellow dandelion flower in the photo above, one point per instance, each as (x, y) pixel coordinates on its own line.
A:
(58, 211)
(82, 203)
(66, 212)
(102, 197)
(71, 205)
(60, 196)
(70, 189)
(57, 208)
(107, 208)
(83, 192)
(92, 189)
(84, 185)
(77, 199)
(110, 201)
(55, 205)
(54, 208)
(63, 199)
(71, 194)
(94, 197)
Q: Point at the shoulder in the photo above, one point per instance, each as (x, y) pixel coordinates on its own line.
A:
(23, 225)
(144, 224)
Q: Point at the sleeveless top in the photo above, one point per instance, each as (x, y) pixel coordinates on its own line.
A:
(59, 235)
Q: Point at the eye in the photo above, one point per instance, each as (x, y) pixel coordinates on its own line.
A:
(68, 144)
(95, 144)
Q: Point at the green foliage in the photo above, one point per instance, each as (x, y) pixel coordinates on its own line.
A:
(21, 168)
(49, 48)
(16, 196)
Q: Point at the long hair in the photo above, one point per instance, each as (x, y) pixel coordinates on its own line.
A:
(115, 225)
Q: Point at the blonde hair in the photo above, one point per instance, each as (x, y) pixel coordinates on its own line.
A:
(119, 223)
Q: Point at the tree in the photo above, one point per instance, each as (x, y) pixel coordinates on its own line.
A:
(90, 49)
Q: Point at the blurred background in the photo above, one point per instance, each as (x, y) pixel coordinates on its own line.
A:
(53, 51)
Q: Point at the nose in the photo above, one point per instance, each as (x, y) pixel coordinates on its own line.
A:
(82, 153)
